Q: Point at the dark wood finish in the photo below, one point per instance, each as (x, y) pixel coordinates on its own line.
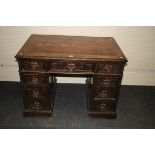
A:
(43, 57)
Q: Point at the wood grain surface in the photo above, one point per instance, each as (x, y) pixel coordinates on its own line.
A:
(54, 46)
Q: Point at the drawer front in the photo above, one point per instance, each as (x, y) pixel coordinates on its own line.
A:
(36, 92)
(105, 93)
(34, 79)
(104, 106)
(32, 65)
(109, 67)
(106, 81)
(70, 66)
(36, 104)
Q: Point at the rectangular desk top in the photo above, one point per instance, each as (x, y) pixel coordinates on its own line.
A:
(77, 47)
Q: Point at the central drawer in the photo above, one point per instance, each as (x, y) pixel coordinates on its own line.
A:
(70, 66)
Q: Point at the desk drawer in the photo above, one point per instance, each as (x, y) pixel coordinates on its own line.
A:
(105, 93)
(37, 92)
(35, 79)
(70, 66)
(104, 106)
(106, 81)
(109, 67)
(36, 104)
(32, 65)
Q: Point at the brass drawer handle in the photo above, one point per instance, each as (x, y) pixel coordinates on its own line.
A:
(35, 92)
(104, 93)
(103, 106)
(106, 82)
(34, 65)
(36, 105)
(108, 68)
(71, 67)
(34, 79)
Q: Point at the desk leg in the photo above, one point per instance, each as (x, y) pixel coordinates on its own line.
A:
(38, 94)
(99, 106)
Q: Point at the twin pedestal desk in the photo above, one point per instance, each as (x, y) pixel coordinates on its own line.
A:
(43, 57)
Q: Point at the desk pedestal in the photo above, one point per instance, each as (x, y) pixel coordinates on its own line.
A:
(39, 93)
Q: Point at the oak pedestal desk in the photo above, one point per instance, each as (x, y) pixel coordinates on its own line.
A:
(43, 57)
